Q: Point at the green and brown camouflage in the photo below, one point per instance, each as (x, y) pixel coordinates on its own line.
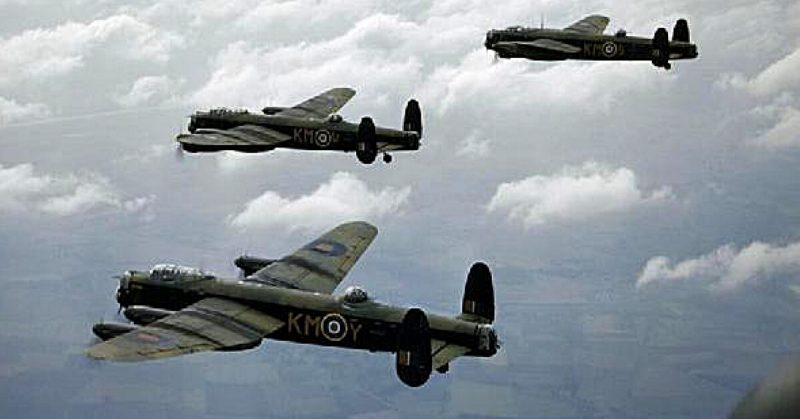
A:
(584, 40)
(310, 125)
(184, 310)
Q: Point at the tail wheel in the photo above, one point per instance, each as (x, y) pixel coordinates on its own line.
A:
(366, 147)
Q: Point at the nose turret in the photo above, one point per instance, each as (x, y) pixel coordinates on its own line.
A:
(490, 36)
(123, 292)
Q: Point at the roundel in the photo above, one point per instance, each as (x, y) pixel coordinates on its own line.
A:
(323, 138)
(327, 247)
(334, 327)
(154, 339)
(609, 49)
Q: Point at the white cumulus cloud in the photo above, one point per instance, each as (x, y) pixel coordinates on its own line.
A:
(150, 89)
(785, 133)
(11, 111)
(342, 198)
(248, 76)
(473, 146)
(46, 52)
(576, 193)
(727, 268)
(23, 190)
(778, 77)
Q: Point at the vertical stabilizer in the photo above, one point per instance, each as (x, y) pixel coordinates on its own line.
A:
(478, 302)
(681, 31)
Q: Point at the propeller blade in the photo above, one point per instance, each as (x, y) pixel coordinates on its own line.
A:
(179, 153)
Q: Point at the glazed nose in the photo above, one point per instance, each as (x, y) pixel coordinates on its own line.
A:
(123, 292)
(489, 39)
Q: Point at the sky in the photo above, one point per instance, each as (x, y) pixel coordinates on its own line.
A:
(642, 225)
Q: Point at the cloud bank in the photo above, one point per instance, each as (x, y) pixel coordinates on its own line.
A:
(726, 268)
(11, 111)
(779, 76)
(342, 198)
(22, 190)
(45, 52)
(576, 193)
(150, 89)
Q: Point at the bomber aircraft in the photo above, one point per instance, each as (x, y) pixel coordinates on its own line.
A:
(584, 40)
(310, 125)
(177, 310)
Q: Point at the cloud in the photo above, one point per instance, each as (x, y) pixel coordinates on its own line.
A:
(438, 57)
(285, 16)
(778, 77)
(344, 197)
(785, 133)
(22, 190)
(47, 52)
(150, 89)
(11, 111)
(727, 268)
(576, 193)
(473, 146)
(511, 85)
(246, 76)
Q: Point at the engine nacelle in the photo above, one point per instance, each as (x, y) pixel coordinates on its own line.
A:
(251, 264)
(106, 331)
(413, 362)
(143, 315)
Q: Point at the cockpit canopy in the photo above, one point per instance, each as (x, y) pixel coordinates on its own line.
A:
(621, 33)
(335, 118)
(168, 272)
(355, 295)
(228, 111)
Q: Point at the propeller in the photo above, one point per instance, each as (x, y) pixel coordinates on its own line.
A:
(178, 146)
(178, 153)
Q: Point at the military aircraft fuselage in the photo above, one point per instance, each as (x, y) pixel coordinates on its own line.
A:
(332, 133)
(310, 318)
(620, 47)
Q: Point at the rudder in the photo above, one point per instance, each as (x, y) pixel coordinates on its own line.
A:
(478, 298)
(681, 31)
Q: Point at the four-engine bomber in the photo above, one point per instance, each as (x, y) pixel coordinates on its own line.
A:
(584, 40)
(310, 125)
(177, 310)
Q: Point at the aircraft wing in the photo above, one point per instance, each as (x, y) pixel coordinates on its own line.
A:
(590, 25)
(322, 105)
(320, 265)
(243, 135)
(210, 324)
(548, 44)
(443, 352)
